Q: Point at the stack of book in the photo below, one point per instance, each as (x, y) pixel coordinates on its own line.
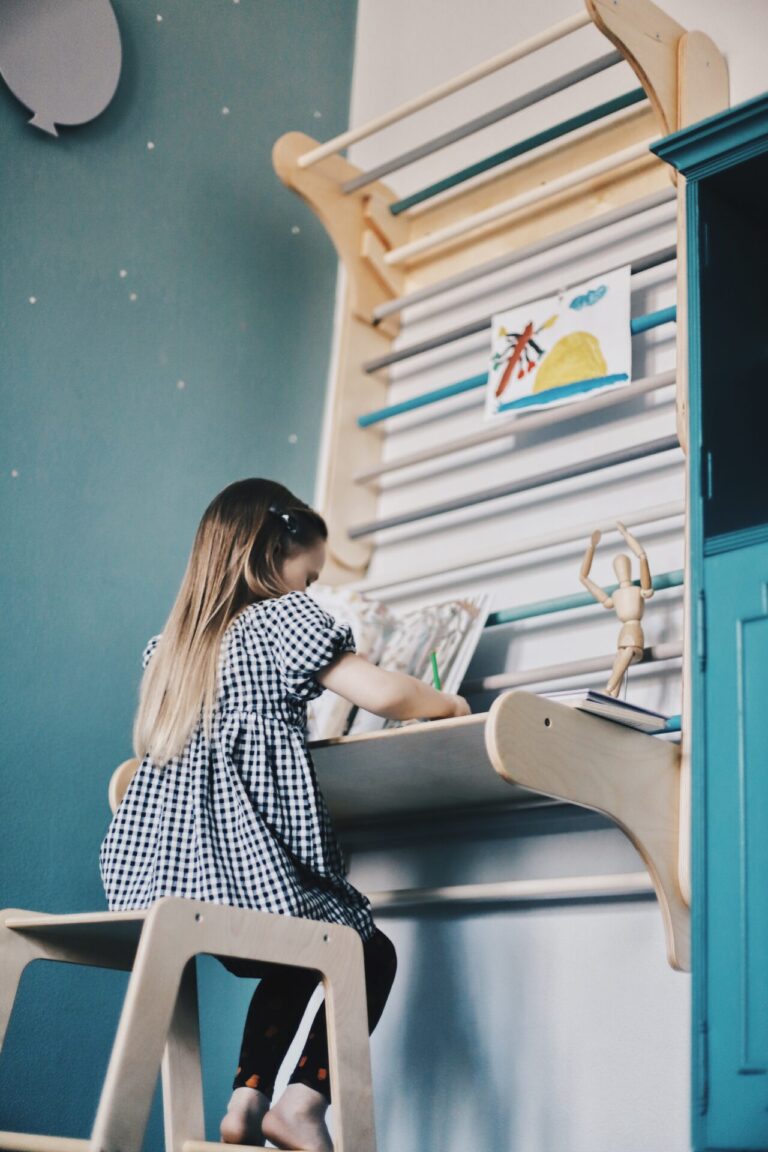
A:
(610, 708)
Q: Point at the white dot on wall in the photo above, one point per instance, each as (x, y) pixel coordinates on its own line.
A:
(14, 472)
(317, 115)
(150, 145)
(225, 111)
(132, 296)
(293, 438)
(181, 384)
(123, 273)
(295, 230)
(33, 299)
(159, 18)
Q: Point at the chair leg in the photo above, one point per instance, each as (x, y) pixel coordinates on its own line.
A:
(349, 1055)
(333, 951)
(16, 951)
(145, 1022)
(181, 1072)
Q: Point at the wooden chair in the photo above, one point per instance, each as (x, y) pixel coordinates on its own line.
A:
(158, 1027)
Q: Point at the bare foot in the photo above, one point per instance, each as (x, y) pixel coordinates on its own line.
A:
(245, 1112)
(297, 1121)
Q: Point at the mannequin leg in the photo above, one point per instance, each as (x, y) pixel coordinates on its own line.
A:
(624, 658)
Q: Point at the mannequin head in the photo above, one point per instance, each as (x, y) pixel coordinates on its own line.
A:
(622, 566)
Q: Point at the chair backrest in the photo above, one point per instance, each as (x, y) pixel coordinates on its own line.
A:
(119, 781)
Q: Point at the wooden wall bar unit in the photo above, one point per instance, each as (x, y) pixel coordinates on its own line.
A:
(532, 744)
(363, 229)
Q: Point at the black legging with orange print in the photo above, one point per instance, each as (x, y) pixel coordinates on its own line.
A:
(276, 1010)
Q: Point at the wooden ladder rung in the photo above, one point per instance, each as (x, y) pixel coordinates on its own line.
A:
(35, 1142)
(212, 1146)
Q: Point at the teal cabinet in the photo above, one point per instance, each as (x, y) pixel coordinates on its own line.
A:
(725, 163)
(733, 946)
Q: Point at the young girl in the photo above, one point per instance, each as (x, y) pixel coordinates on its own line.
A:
(225, 805)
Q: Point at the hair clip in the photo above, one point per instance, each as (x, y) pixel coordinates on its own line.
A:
(289, 520)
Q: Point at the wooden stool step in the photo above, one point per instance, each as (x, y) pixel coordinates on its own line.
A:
(212, 1146)
(107, 939)
(32, 1142)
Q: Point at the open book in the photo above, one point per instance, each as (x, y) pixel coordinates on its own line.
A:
(399, 642)
(610, 708)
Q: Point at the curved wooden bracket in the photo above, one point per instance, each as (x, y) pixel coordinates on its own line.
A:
(683, 73)
(648, 39)
(702, 85)
(359, 224)
(632, 778)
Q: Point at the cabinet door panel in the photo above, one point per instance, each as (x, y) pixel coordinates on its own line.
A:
(736, 702)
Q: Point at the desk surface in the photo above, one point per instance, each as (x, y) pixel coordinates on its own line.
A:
(435, 767)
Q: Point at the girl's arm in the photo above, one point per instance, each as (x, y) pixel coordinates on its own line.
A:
(391, 694)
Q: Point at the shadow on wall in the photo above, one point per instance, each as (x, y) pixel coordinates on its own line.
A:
(546, 1031)
(443, 1095)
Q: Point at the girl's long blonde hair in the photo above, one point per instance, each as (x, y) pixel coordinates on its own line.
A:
(245, 534)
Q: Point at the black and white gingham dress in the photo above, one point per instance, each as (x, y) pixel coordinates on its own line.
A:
(240, 820)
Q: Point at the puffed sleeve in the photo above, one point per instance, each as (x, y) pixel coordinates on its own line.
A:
(308, 640)
(146, 655)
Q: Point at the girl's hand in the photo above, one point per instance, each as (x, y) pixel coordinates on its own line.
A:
(459, 706)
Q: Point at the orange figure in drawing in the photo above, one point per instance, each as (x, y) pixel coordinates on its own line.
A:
(628, 600)
(523, 352)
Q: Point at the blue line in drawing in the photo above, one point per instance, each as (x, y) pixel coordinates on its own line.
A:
(550, 394)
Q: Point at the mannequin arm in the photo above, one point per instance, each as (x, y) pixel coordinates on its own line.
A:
(595, 590)
(646, 581)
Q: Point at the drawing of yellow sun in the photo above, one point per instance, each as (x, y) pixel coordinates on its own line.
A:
(576, 356)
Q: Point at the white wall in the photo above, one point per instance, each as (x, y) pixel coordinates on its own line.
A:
(544, 1029)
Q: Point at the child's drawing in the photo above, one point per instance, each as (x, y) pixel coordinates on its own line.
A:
(557, 349)
(398, 642)
(451, 630)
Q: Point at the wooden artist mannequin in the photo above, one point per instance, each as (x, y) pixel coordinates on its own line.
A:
(628, 600)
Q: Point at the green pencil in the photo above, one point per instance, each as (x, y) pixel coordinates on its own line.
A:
(435, 672)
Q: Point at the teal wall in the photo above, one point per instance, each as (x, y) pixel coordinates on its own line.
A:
(106, 464)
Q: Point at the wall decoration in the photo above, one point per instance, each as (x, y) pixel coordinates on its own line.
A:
(560, 348)
(61, 58)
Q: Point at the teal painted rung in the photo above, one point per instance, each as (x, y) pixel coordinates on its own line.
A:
(426, 398)
(636, 325)
(653, 320)
(575, 600)
(673, 724)
(519, 149)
